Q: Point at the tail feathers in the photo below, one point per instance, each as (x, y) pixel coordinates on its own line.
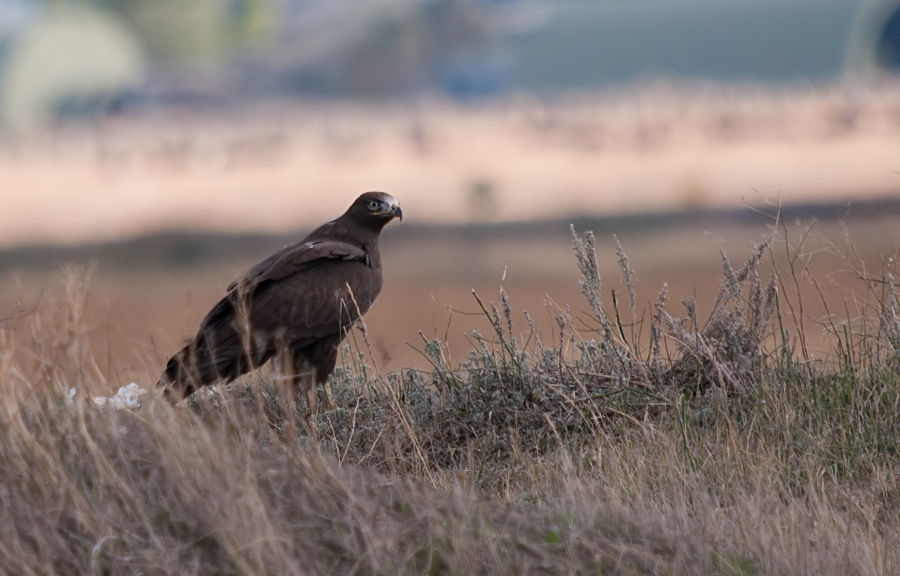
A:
(179, 378)
(218, 353)
(196, 366)
(193, 368)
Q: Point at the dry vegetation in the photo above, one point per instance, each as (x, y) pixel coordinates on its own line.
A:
(623, 442)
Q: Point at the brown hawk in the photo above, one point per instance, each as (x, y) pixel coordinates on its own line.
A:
(295, 306)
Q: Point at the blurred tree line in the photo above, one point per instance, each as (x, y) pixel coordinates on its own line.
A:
(327, 46)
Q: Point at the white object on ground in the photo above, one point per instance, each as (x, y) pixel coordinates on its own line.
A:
(129, 396)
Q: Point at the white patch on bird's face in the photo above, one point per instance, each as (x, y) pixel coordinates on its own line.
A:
(386, 204)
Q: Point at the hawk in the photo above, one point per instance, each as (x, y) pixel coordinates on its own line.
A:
(295, 306)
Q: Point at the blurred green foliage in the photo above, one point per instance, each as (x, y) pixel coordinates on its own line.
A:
(198, 29)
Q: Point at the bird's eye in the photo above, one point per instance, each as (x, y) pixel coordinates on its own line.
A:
(373, 205)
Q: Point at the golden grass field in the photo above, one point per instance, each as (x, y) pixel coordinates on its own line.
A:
(281, 167)
(763, 441)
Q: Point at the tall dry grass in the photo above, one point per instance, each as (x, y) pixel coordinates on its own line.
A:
(629, 441)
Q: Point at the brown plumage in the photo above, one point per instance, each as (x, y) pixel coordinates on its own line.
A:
(295, 306)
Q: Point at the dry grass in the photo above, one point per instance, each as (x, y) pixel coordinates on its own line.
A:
(143, 303)
(623, 442)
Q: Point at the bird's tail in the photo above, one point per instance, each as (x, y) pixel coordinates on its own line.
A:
(177, 379)
(219, 352)
(199, 364)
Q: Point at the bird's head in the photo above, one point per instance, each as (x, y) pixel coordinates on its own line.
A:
(375, 209)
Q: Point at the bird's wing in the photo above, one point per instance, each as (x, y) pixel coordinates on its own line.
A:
(323, 299)
(293, 259)
(298, 295)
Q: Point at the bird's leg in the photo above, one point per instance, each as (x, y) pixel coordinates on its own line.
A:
(284, 381)
(302, 379)
(304, 383)
(306, 380)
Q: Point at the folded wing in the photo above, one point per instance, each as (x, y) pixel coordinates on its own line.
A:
(297, 299)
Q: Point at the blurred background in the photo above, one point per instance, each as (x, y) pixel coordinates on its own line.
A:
(170, 144)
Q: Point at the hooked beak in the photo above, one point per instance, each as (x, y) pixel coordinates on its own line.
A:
(393, 210)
